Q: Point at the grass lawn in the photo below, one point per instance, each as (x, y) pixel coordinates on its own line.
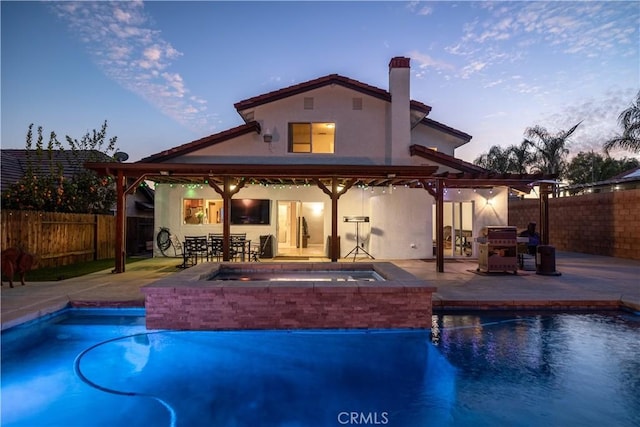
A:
(48, 274)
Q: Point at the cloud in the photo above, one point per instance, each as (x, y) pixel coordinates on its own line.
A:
(420, 8)
(599, 117)
(425, 62)
(472, 68)
(494, 83)
(122, 41)
(578, 29)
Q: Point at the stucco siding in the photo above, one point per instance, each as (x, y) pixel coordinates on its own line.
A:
(400, 224)
(433, 138)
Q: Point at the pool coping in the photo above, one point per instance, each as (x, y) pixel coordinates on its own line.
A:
(439, 306)
(200, 275)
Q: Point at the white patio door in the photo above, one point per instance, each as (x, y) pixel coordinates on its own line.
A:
(300, 228)
(287, 223)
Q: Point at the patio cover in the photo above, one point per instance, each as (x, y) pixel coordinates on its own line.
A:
(333, 180)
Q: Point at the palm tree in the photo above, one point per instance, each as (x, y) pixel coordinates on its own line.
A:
(550, 148)
(497, 159)
(520, 157)
(629, 120)
(514, 159)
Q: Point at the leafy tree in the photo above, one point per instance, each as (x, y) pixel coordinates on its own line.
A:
(47, 186)
(629, 120)
(551, 149)
(589, 167)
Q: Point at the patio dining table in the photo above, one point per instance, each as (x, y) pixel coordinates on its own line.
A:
(240, 246)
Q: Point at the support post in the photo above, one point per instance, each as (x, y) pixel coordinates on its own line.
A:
(226, 193)
(335, 248)
(335, 194)
(439, 226)
(226, 220)
(120, 228)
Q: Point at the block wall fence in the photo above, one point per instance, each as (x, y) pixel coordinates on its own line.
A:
(599, 223)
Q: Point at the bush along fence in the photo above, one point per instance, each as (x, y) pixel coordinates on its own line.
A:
(59, 238)
(598, 223)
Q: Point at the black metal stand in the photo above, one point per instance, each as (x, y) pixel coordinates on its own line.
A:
(358, 248)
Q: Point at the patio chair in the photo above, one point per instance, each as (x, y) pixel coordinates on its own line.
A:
(255, 255)
(194, 247)
(177, 246)
(189, 257)
(215, 246)
(238, 245)
(237, 242)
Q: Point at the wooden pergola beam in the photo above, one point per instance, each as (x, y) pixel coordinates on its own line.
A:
(203, 170)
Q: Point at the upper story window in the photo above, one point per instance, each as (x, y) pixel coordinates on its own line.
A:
(311, 137)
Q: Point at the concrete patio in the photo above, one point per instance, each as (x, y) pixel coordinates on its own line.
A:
(587, 282)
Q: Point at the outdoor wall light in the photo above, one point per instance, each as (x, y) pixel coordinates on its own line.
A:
(164, 173)
(268, 136)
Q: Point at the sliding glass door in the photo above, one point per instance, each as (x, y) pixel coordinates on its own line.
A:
(458, 228)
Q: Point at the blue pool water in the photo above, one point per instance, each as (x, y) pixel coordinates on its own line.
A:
(86, 369)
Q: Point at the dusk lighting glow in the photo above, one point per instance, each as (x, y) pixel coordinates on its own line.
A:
(515, 64)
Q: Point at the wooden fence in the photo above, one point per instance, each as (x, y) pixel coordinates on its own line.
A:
(59, 238)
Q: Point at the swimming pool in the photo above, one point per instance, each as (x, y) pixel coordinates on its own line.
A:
(512, 369)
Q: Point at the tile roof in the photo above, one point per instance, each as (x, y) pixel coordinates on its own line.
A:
(331, 79)
(15, 163)
(447, 129)
(217, 138)
(445, 159)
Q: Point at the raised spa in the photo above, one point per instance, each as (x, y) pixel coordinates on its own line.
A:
(212, 296)
(297, 276)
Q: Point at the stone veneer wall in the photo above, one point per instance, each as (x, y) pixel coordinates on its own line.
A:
(288, 307)
(188, 301)
(598, 223)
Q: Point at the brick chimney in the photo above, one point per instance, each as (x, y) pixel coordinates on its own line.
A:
(400, 118)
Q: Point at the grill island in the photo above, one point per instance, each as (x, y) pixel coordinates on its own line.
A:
(498, 247)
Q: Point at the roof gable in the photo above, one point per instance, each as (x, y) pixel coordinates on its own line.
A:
(198, 144)
(331, 79)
